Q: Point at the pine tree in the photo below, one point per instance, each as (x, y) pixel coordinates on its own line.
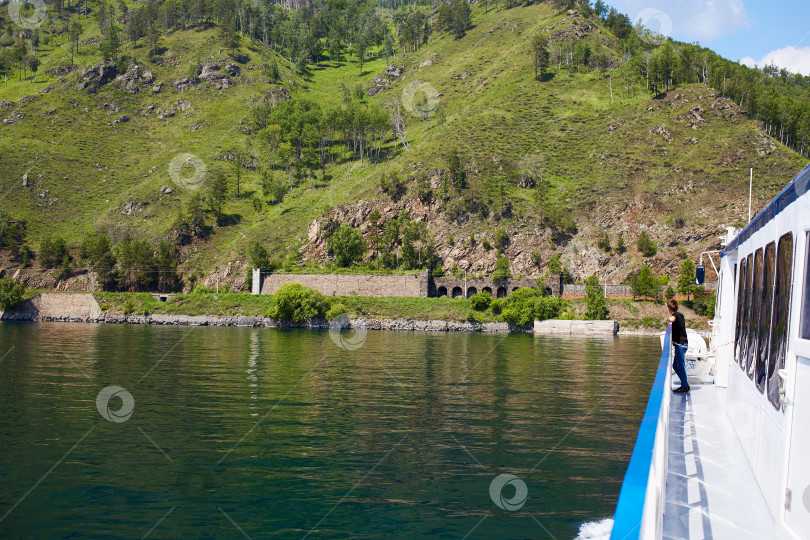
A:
(110, 44)
(686, 278)
(595, 299)
(540, 54)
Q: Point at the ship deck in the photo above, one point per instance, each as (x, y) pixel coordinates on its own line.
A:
(711, 490)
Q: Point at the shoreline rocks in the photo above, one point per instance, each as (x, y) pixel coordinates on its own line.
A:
(83, 308)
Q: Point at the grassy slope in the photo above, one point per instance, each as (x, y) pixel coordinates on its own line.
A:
(495, 117)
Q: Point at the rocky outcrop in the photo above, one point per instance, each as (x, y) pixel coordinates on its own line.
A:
(393, 72)
(128, 81)
(765, 145)
(185, 83)
(97, 76)
(275, 96)
(663, 131)
(14, 117)
(211, 74)
(380, 84)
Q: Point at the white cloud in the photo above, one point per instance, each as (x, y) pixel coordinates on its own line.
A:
(793, 59)
(690, 20)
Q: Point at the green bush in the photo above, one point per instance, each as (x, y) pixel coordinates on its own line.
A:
(423, 190)
(11, 294)
(481, 301)
(501, 268)
(555, 264)
(201, 289)
(604, 242)
(347, 244)
(393, 186)
(52, 251)
(646, 245)
(129, 306)
(643, 284)
(336, 311)
(620, 247)
(501, 239)
(526, 305)
(497, 305)
(548, 307)
(704, 303)
(296, 303)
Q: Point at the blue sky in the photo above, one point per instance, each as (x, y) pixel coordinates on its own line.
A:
(754, 31)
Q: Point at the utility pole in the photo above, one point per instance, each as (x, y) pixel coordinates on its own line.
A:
(464, 292)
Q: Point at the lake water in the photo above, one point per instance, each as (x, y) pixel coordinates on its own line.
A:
(169, 432)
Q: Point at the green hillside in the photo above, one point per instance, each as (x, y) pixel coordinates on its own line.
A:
(556, 163)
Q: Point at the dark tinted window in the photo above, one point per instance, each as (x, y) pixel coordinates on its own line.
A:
(753, 319)
(781, 315)
(764, 324)
(741, 290)
(749, 274)
(805, 330)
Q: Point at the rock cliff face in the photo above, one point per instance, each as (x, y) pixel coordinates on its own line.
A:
(527, 240)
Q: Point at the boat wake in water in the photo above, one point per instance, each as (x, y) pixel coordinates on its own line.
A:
(595, 530)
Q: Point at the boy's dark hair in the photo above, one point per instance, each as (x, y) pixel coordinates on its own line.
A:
(673, 305)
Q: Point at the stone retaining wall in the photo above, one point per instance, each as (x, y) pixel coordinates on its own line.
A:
(620, 290)
(398, 285)
(411, 286)
(611, 290)
(56, 306)
(454, 287)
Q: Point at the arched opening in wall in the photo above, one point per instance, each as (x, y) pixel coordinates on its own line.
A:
(501, 292)
(442, 291)
(471, 291)
(457, 292)
(487, 290)
(515, 288)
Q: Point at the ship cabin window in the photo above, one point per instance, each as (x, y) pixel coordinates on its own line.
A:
(781, 316)
(764, 325)
(805, 329)
(742, 310)
(753, 319)
(744, 334)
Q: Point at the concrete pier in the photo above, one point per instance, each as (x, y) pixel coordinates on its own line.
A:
(576, 327)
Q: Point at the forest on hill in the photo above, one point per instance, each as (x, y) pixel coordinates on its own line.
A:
(547, 114)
